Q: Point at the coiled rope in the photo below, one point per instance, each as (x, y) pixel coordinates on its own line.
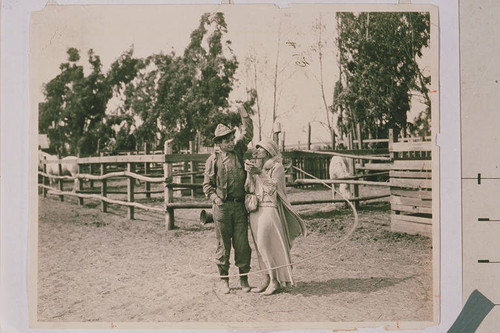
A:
(329, 249)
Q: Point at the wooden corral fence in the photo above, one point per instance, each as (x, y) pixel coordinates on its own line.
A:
(168, 169)
(362, 143)
(317, 163)
(165, 173)
(411, 185)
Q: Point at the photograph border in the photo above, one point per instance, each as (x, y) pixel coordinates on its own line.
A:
(33, 234)
(391, 325)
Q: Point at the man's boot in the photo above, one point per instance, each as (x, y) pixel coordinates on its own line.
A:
(263, 286)
(223, 286)
(245, 287)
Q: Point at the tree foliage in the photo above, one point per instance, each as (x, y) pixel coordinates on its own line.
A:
(162, 96)
(379, 59)
(178, 96)
(208, 68)
(74, 110)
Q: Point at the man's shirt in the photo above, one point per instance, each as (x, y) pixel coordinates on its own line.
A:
(224, 172)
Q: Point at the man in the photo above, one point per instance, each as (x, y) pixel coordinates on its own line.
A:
(224, 184)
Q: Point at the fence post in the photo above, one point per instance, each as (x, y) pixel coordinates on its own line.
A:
(283, 135)
(353, 187)
(308, 136)
(360, 143)
(192, 167)
(356, 187)
(333, 139)
(391, 141)
(92, 171)
(360, 140)
(45, 179)
(147, 170)
(80, 180)
(276, 132)
(169, 194)
(104, 190)
(61, 181)
(130, 189)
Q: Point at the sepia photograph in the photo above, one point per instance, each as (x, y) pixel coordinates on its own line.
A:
(234, 166)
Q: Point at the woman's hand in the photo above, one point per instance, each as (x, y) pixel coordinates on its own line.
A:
(252, 168)
(255, 170)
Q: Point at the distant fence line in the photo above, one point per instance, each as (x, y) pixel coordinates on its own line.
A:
(328, 143)
(406, 162)
(178, 172)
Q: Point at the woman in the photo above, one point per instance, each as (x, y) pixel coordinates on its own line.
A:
(273, 224)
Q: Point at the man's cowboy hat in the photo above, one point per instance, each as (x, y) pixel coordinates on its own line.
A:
(223, 130)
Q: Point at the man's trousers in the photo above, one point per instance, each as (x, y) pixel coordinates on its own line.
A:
(231, 226)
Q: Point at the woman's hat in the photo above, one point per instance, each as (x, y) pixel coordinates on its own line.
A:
(270, 146)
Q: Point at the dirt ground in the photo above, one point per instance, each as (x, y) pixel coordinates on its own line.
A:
(95, 266)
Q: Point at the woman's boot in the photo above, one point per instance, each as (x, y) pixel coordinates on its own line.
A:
(273, 287)
(263, 286)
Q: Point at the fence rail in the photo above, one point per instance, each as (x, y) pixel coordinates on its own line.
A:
(355, 156)
(179, 174)
(411, 185)
(102, 198)
(341, 181)
(196, 205)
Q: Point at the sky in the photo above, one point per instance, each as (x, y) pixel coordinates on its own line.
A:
(254, 30)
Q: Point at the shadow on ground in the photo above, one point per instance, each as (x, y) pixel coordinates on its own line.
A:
(337, 286)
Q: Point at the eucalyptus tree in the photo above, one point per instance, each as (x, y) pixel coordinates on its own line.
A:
(142, 100)
(379, 55)
(74, 109)
(178, 96)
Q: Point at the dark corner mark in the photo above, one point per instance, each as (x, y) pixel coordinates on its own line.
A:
(475, 310)
(487, 219)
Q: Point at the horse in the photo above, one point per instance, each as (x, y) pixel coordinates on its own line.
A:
(69, 166)
(340, 168)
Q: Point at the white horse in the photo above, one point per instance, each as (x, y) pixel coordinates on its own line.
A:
(70, 166)
(340, 168)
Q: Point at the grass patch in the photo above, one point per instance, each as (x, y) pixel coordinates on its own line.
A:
(324, 214)
(378, 206)
(96, 224)
(401, 236)
(324, 226)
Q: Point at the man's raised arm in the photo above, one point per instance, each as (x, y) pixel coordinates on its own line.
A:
(246, 127)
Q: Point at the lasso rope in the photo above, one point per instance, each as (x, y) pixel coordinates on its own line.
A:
(331, 248)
